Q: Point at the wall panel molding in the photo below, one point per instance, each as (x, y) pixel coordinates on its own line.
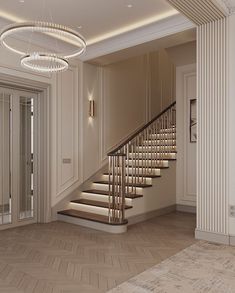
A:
(67, 134)
(186, 152)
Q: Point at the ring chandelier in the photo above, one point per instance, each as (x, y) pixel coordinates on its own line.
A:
(44, 61)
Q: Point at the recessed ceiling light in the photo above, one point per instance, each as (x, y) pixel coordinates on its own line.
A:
(129, 5)
(21, 1)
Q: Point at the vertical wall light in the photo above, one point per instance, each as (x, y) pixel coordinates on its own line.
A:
(91, 108)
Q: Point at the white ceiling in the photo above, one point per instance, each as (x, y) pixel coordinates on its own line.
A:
(171, 41)
(100, 19)
(230, 4)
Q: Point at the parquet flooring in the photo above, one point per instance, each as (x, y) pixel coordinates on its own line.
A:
(61, 257)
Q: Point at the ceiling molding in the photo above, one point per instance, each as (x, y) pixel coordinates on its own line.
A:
(171, 25)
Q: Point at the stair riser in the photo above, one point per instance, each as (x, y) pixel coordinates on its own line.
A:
(149, 149)
(162, 135)
(154, 148)
(159, 143)
(153, 156)
(92, 209)
(147, 180)
(139, 190)
(130, 163)
(101, 198)
(154, 171)
(93, 225)
(169, 130)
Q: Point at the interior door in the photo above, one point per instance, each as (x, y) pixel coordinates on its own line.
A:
(18, 157)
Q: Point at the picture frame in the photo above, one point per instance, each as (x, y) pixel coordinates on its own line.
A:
(193, 120)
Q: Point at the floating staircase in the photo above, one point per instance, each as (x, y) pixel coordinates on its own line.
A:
(134, 167)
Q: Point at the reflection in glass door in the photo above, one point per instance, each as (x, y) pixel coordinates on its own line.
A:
(26, 158)
(17, 157)
(5, 159)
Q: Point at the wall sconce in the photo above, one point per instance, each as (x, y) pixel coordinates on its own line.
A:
(91, 108)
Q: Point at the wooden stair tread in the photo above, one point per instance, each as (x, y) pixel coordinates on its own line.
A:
(135, 185)
(89, 216)
(95, 203)
(106, 193)
(145, 176)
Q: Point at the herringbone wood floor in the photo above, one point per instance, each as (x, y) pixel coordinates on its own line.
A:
(60, 257)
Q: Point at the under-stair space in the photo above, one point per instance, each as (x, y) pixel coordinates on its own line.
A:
(138, 172)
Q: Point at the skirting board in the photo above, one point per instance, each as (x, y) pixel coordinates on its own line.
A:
(212, 237)
(232, 240)
(144, 217)
(186, 209)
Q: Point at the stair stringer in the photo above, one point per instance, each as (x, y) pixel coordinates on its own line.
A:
(162, 195)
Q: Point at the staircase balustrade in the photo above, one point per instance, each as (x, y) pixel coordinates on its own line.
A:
(137, 157)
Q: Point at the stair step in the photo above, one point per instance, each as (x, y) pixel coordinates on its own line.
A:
(106, 193)
(95, 203)
(140, 163)
(162, 142)
(153, 156)
(140, 185)
(89, 216)
(145, 176)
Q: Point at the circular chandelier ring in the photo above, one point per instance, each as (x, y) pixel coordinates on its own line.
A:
(57, 64)
(59, 31)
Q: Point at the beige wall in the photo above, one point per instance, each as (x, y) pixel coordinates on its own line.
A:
(135, 90)
(125, 86)
(91, 126)
(162, 82)
(183, 54)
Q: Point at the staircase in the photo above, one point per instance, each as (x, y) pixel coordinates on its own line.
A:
(133, 168)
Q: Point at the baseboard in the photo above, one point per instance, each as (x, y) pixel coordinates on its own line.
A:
(186, 209)
(149, 215)
(212, 237)
(232, 240)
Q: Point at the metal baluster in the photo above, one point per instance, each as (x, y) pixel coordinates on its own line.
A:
(156, 149)
(110, 170)
(127, 169)
(135, 179)
(132, 168)
(122, 188)
(144, 161)
(151, 150)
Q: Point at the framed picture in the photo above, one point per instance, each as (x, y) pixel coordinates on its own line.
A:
(193, 120)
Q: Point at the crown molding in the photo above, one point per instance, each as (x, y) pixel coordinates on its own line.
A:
(168, 26)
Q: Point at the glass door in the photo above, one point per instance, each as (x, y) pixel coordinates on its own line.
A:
(18, 157)
(5, 159)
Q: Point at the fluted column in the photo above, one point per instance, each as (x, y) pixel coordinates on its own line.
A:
(213, 109)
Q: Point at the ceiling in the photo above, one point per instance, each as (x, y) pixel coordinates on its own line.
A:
(170, 41)
(99, 19)
(230, 4)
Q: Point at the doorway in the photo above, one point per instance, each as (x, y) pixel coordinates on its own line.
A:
(18, 157)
